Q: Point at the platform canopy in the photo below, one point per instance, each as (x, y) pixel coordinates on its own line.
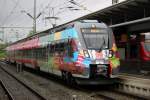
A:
(127, 11)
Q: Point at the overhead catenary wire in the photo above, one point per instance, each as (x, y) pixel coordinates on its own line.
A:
(50, 2)
(79, 5)
(4, 3)
(66, 5)
(63, 4)
(18, 16)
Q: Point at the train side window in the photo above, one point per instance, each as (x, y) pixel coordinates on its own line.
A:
(44, 53)
(35, 53)
(26, 53)
(52, 49)
(65, 49)
(30, 53)
(39, 53)
(62, 49)
(57, 49)
(69, 49)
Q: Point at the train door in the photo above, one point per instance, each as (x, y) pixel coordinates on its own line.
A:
(51, 50)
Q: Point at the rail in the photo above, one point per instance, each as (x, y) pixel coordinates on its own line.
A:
(6, 90)
(128, 86)
(22, 83)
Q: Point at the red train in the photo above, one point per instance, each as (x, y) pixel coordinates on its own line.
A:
(145, 52)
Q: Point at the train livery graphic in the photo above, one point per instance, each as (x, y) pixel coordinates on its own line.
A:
(83, 49)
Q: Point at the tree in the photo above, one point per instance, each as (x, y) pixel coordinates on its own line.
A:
(2, 51)
(31, 32)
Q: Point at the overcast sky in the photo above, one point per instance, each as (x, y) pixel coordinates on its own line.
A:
(11, 14)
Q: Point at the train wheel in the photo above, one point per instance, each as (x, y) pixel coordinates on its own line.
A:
(108, 72)
(70, 79)
(38, 70)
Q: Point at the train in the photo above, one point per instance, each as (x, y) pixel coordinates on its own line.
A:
(145, 52)
(82, 51)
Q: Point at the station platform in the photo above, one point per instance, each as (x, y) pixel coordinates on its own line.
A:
(135, 71)
(133, 75)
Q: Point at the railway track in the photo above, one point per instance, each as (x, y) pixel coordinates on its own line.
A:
(4, 94)
(98, 93)
(15, 89)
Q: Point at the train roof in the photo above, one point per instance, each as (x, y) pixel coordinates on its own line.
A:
(124, 6)
(59, 27)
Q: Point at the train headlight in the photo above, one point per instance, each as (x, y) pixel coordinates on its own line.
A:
(110, 54)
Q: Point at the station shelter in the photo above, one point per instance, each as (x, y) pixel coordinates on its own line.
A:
(130, 21)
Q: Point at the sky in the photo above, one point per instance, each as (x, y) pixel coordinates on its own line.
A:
(13, 13)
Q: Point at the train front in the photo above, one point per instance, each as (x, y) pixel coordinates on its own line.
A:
(97, 53)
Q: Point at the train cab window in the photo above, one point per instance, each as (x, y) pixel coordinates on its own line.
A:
(95, 38)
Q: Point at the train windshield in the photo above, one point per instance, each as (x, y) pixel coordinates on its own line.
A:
(95, 38)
